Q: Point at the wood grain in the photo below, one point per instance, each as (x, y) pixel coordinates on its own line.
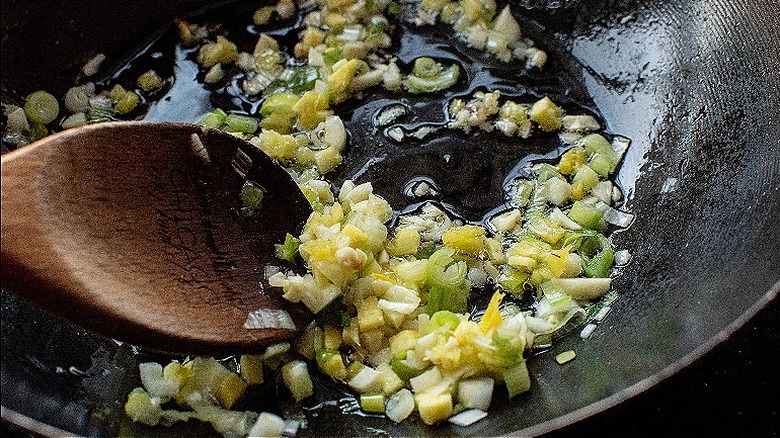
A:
(122, 229)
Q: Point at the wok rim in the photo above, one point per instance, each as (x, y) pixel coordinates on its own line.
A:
(40, 428)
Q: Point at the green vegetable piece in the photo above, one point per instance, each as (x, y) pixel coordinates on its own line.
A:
(595, 144)
(127, 103)
(304, 157)
(332, 56)
(517, 379)
(312, 197)
(302, 79)
(588, 176)
(295, 376)
(603, 158)
(251, 198)
(375, 32)
(515, 113)
(353, 369)
(427, 68)
(361, 67)
(477, 10)
(221, 52)
(280, 117)
(597, 255)
(602, 164)
(41, 107)
(433, 5)
(513, 280)
(139, 408)
(443, 318)
(546, 171)
(402, 369)
(215, 119)
(263, 15)
(523, 192)
(554, 295)
(446, 298)
(580, 289)
(289, 249)
(150, 81)
(212, 376)
(509, 349)
(268, 61)
(38, 131)
(566, 356)
(372, 403)
(394, 8)
(251, 368)
(100, 113)
(546, 114)
(544, 228)
(572, 160)
(239, 123)
(116, 93)
(446, 282)
(279, 103)
(584, 215)
(447, 78)
(345, 319)
(323, 356)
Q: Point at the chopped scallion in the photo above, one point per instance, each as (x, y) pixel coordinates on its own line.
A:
(566, 356)
(41, 107)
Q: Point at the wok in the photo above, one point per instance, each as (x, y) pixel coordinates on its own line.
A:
(694, 84)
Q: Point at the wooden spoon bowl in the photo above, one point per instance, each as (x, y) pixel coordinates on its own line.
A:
(128, 230)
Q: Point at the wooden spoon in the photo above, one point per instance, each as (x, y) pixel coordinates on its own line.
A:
(128, 229)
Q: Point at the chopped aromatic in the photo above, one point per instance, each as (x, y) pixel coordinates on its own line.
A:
(150, 81)
(428, 76)
(251, 198)
(566, 356)
(241, 123)
(41, 107)
(289, 250)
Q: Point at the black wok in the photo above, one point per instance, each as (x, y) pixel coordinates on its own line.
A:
(694, 84)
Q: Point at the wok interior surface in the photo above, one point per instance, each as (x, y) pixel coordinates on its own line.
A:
(694, 84)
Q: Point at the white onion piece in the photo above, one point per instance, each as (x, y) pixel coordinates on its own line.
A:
(467, 418)
(622, 257)
(620, 146)
(613, 216)
(587, 331)
(476, 393)
(267, 425)
(269, 318)
(152, 379)
(400, 405)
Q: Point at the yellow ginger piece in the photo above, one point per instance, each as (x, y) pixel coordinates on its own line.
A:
(492, 317)
(546, 114)
(466, 239)
(339, 80)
